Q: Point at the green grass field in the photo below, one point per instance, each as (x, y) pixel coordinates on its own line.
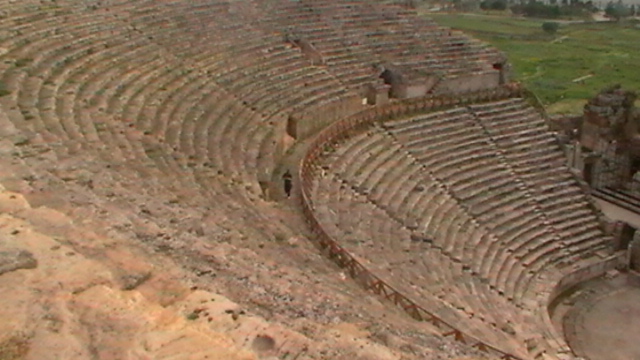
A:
(602, 53)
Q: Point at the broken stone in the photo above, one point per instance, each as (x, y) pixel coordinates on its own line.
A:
(263, 343)
(11, 260)
(508, 329)
(293, 240)
(132, 281)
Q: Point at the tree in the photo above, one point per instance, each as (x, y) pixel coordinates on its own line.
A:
(499, 5)
(493, 5)
(617, 10)
(610, 10)
(550, 27)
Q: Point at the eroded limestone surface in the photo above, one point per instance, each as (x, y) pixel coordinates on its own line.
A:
(11, 260)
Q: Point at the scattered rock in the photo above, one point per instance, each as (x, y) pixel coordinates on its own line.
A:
(293, 240)
(508, 329)
(263, 343)
(11, 260)
(197, 229)
(235, 314)
(15, 347)
(132, 281)
(387, 339)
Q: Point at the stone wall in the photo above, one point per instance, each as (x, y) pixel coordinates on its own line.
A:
(585, 273)
(608, 132)
(469, 82)
(414, 89)
(310, 120)
(589, 272)
(407, 91)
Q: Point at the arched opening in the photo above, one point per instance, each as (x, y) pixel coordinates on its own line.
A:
(633, 169)
(292, 127)
(387, 76)
(587, 173)
(634, 256)
(626, 236)
(289, 133)
(500, 67)
(392, 79)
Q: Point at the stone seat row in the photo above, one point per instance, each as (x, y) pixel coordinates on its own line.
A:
(491, 202)
(471, 304)
(342, 59)
(95, 85)
(388, 176)
(369, 175)
(272, 76)
(529, 145)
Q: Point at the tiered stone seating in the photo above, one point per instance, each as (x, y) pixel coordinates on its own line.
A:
(60, 91)
(462, 195)
(259, 69)
(414, 267)
(200, 87)
(356, 36)
(343, 54)
(534, 154)
(190, 97)
(456, 151)
(85, 86)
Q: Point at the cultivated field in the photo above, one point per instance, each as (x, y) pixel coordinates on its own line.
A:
(562, 69)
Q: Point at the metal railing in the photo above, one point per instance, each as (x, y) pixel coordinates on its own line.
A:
(345, 128)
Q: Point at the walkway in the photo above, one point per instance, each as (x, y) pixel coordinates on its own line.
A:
(615, 212)
(289, 161)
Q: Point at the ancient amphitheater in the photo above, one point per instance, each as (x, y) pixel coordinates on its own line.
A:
(143, 144)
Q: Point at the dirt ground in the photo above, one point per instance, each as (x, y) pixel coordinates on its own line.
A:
(609, 329)
(604, 321)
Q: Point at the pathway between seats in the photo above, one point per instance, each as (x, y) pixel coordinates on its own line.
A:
(290, 161)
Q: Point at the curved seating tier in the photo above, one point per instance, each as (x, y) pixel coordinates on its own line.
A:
(188, 74)
(406, 224)
(354, 37)
(192, 73)
(453, 183)
(535, 156)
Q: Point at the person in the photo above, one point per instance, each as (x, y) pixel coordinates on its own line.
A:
(288, 183)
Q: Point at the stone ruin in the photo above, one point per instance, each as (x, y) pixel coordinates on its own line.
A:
(607, 150)
(161, 125)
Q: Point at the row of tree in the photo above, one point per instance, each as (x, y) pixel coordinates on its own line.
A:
(534, 8)
(558, 8)
(619, 10)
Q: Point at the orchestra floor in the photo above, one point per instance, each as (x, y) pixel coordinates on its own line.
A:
(606, 320)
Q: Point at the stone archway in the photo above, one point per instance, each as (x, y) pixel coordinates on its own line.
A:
(292, 127)
(634, 254)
